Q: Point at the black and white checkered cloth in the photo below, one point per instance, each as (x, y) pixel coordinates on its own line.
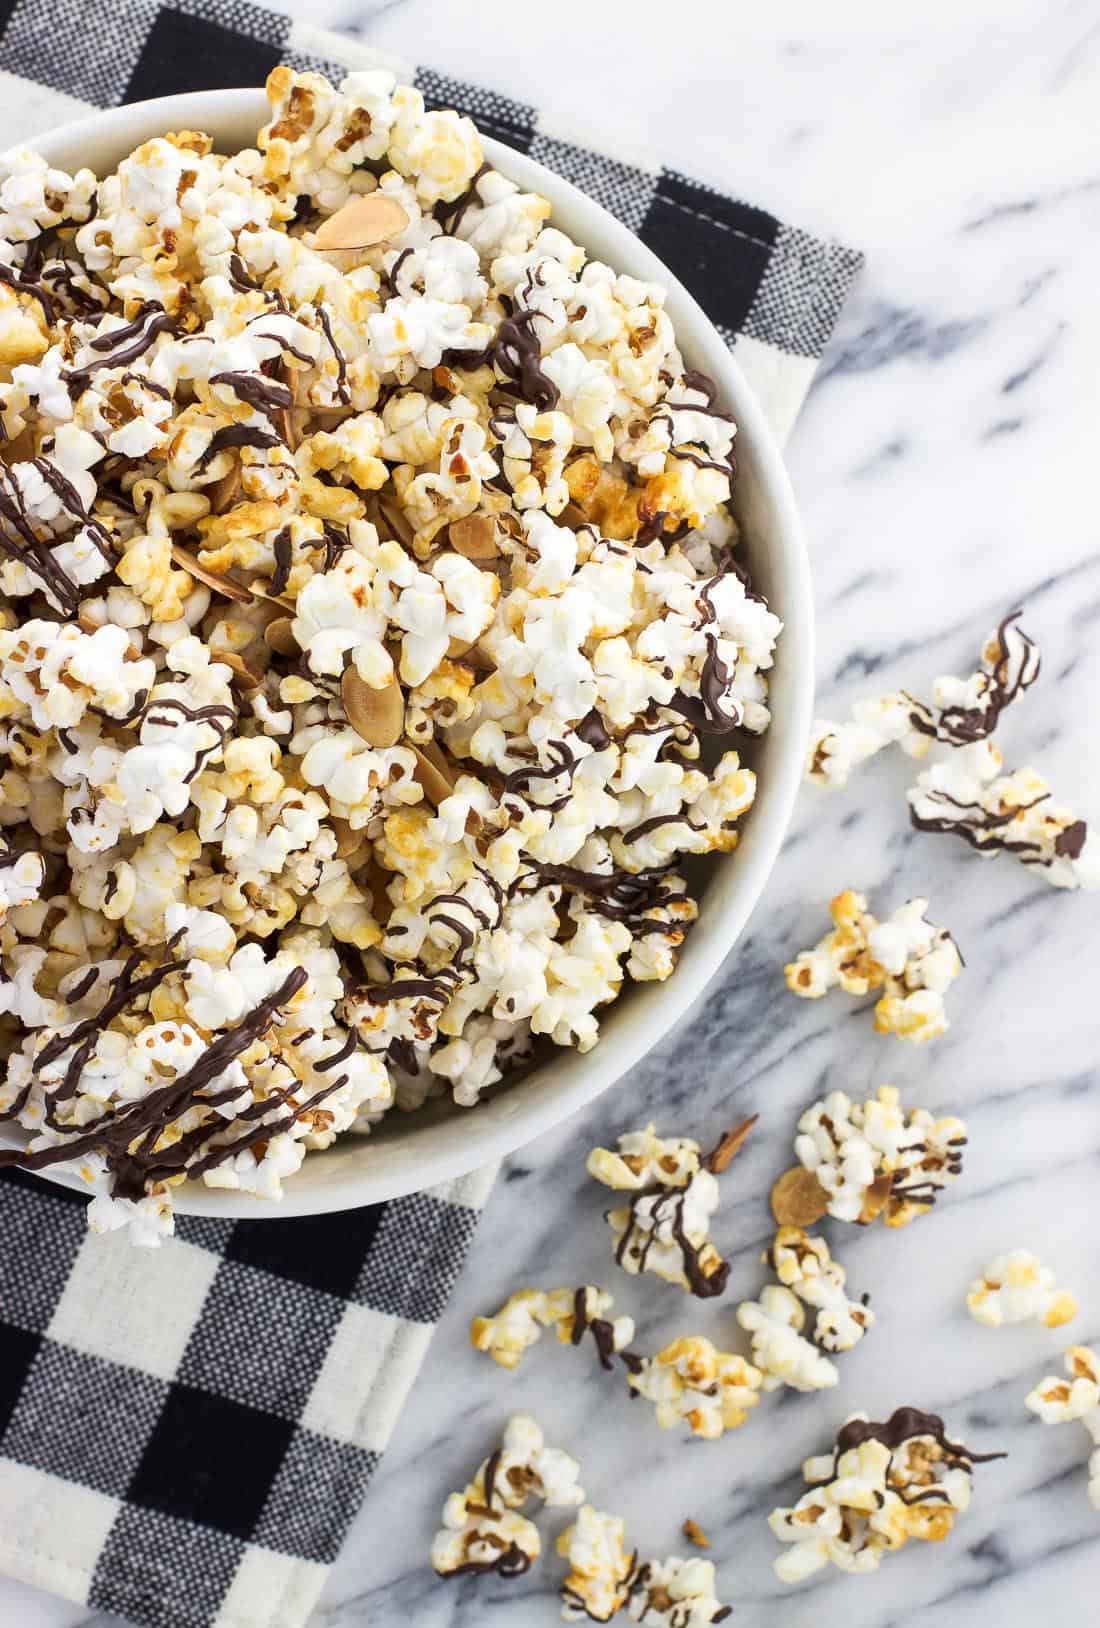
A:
(187, 1433)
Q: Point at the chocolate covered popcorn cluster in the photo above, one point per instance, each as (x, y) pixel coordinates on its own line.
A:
(862, 1160)
(880, 1486)
(372, 645)
(483, 1529)
(674, 1192)
(908, 957)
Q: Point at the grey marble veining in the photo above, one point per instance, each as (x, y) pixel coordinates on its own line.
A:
(946, 469)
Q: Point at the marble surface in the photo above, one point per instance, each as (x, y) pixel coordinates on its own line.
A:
(945, 465)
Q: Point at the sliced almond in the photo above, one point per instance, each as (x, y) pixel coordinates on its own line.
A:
(395, 525)
(224, 585)
(347, 840)
(475, 537)
(279, 636)
(362, 223)
(378, 879)
(433, 771)
(798, 1198)
(730, 1146)
(223, 492)
(695, 1534)
(244, 676)
(876, 1198)
(377, 715)
(20, 449)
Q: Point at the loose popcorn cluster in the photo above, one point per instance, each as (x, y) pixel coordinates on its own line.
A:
(1018, 1288)
(875, 1158)
(880, 1486)
(665, 1227)
(605, 1579)
(571, 1312)
(367, 601)
(911, 959)
(963, 710)
(1077, 1396)
(808, 1276)
(483, 1529)
(691, 1382)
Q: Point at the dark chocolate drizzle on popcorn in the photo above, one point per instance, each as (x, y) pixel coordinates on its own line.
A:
(904, 1425)
(1014, 670)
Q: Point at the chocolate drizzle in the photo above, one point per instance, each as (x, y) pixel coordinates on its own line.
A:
(343, 393)
(142, 333)
(905, 1425)
(268, 396)
(32, 551)
(703, 711)
(1014, 670)
(127, 1138)
(603, 1333)
(236, 435)
(23, 285)
(982, 829)
(667, 1206)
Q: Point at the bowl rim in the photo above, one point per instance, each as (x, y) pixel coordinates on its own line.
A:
(493, 1132)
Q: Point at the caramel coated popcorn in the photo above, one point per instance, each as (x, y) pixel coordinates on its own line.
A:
(367, 595)
(1018, 1288)
(570, 1312)
(690, 1381)
(876, 1158)
(911, 959)
(482, 1528)
(1056, 1401)
(882, 1485)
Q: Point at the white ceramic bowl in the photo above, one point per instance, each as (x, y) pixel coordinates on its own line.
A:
(411, 1152)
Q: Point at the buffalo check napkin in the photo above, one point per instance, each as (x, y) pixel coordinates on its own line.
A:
(187, 1433)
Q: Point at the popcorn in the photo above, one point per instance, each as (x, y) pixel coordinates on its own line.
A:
(1018, 1288)
(598, 1583)
(664, 1230)
(873, 1158)
(775, 1322)
(910, 958)
(675, 1593)
(805, 1267)
(967, 796)
(881, 1485)
(482, 1530)
(690, 1380)
(570, 1312)
(964, 710)
(369, 591)
(1077, 1396)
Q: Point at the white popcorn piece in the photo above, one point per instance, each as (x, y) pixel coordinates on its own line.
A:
(837, 748)
(912, 960)
(572, 1313)
(675, 1593)
(482, 1529)
(883, 1484)
(779, 1350)
(968, 796)
(1017, 1288)
(805, 1266)
(691, 1381)
(876, 1158)
(598, 1582)
(1056, 1401)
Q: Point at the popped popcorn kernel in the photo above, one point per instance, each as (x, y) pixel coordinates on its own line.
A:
(1077, 1396)
(691, 1381)
(1018, 1288)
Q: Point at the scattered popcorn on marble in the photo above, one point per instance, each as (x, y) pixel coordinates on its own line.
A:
(963, 710)
(665, 1228)
(912, 960)
(690, 1381)
(572, 1313)
(598, 1582)
(482, 1529)
(805, 1266)
(367, 593)
(1018, 1288)
(675, 1593)
(880, 1486)
(783, 1356)
(968, 796)
(1077, 1397)
(876, 1158)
